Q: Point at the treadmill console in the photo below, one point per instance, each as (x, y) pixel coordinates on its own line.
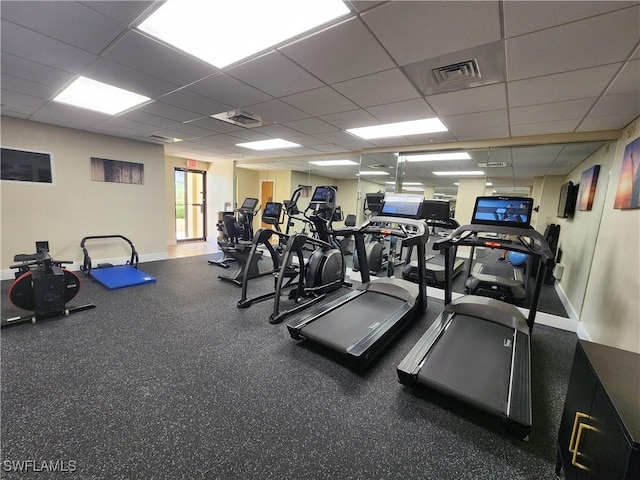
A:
(503, 211)
(249, 204)
(272, 213)
(400, 205)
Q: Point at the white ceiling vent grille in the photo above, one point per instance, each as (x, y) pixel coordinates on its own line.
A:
(457, 72)
(163, 139)
(242, 118)
(494, 165)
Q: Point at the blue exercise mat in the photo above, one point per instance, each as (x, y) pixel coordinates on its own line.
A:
(121, 276)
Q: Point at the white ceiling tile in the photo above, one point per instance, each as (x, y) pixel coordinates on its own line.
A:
(189, 130)
(522, 17)
(431, 138)
(618, 104)
(215, 125)
(275, 74)
(228, 90)
(346, 43)
(188, 100)
(492, 118)
(118, 75)
(147, 118)
(635, 55)
(587, 43)
(27, 87)
(21, 68)
(611, 122)
(479, 99)
(125, 12)
(278, 111)
(18, 102)
(351, 119)
(628, 80)
(414, 31)
(392, 142)
(543, 128)
(402, 111)
(481, 133)
(311, 126)
(379, 88)
(11, 112)
(586, 83)
(572, 109)
(329, 148)
(321, 101)
(39, 48)
(142, 53)
(70, 22)
(249, 135)
(133, 127)
(68, 116)
(178, 115)
(278, 131)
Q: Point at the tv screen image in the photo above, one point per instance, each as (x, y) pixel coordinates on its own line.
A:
(436, 210)
(508, 211)
(398, 205)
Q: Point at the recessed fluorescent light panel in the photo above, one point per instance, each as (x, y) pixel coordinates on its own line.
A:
(400, 129)
(413, 189)
(268, 144)
(406, 184)
(460, 173)
(434, 157)
(100, 97)
(373, 173)
(222, 33)
(333, 163)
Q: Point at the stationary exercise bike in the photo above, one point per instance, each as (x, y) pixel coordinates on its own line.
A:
(325, 269)
(236, 227)
(42, 286)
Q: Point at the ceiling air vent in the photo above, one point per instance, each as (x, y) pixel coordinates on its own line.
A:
(164, 139)
(494, 164)
(457, 72)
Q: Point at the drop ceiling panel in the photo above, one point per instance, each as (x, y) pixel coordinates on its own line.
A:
(33, 71)
(188, 100)
(492, 118)
(311, 126)
(481, 132)
(351, 119)
(276, 75)
(430, 138)
(188, 130)
(228, 90)
(39, 48)
(391, 142)
(329, 148)
(278, 111)
(124, 12)
(572, 109)
(401, 111)
(587, 83)
(346, 43)
(544, 128)
(414, 31)
(611, 122)
(214, 125)
(618, 104)
(140, 116)
(68, 116)
(627, 80)
(178, 115)
(18, 102)
(141, 53)
(27, 87)
(278, 131)
(479, 99)
(588, 43)
(321, 101)
(379, 88)
(522, 17)
(134, 128)
(70, 22)
(118, 75)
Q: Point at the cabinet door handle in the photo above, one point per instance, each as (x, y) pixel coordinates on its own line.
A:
(576, 452)
(576, 421)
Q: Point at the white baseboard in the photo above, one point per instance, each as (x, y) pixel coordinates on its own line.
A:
(573, 315)
(583, 334)
(149, 257)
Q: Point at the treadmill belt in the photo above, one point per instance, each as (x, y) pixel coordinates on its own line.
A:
(498, 271)
(344, 326)
(470, 361)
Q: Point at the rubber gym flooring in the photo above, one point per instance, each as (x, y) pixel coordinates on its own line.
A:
(171, 380)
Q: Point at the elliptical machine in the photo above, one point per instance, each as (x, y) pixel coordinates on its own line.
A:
(325, 269)
(236, 227)
(43, 286)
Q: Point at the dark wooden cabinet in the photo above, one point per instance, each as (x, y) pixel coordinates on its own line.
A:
(600, 429)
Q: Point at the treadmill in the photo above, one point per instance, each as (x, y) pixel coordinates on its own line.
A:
(437, 216)
(360, 324)
(502, 281)
(478, 349)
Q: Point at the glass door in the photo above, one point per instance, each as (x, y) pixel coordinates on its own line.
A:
(190, 202)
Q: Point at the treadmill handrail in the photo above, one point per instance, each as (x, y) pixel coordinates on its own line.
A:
(380, 225)
(467, 235)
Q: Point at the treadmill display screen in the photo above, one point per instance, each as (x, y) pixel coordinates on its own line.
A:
(323, 194)
(272, 210)
(505, 211)
(398, 205)
(249, 204)
(436, 210)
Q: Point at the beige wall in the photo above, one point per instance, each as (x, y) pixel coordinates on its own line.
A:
(611, 309)
(578, 234)
(75, 206)
(468, 190)
(546, 196)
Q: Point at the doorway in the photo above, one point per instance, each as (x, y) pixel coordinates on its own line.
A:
(190, 204)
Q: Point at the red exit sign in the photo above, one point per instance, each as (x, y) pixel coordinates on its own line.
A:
(192, 163)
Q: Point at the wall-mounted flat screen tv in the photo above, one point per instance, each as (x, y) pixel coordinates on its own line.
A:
(25, 166)
(567, 200)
